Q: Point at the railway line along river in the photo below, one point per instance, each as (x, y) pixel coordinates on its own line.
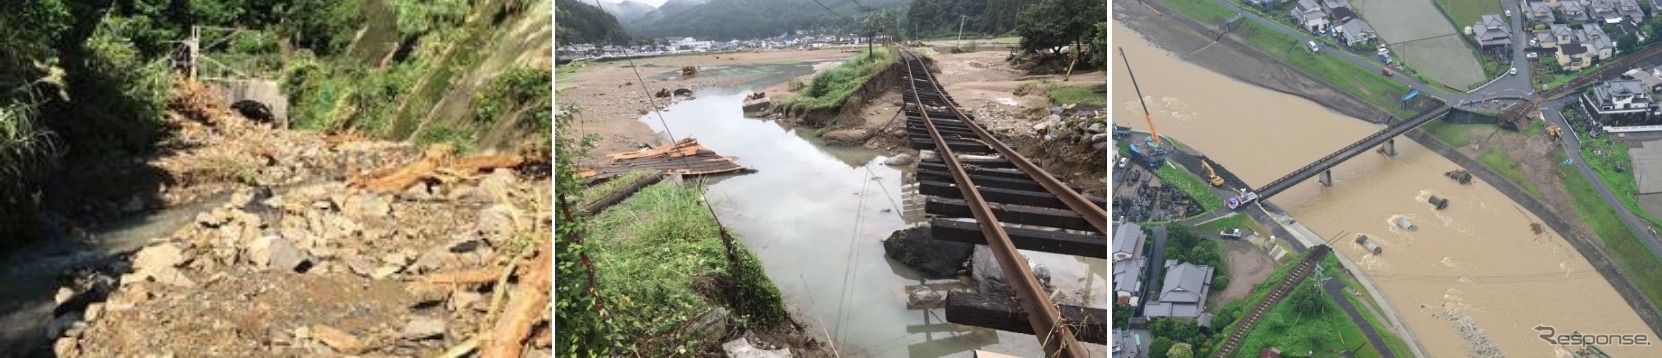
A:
(1473, 276)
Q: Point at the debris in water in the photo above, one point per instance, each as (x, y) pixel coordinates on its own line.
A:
(1437, 202)
(1537, 228)
(685, 156)
(1404, 223)
(689, 71)
(1460, 176)
(1368, 245)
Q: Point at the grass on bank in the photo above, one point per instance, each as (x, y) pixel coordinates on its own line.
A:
(1191, 185)
(830, 90)
(593, 193)
(661, 265)
(1094, 95)
(1636, 261)
(1453, 133)
(1233, 221)
(1363, 82)
(1283, 326)
(1622, 184)
(1508, 168)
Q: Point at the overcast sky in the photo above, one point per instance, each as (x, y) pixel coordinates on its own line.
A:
(654, 3)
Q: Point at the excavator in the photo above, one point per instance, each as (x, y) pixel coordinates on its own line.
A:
(1210, 174)
(1556, 133)
(1152, 152)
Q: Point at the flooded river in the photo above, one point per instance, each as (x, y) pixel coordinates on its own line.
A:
(1477, 258)
(816, 215)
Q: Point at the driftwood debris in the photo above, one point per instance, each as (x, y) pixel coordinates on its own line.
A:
(686, 157)
(434, 166)
(527, 307)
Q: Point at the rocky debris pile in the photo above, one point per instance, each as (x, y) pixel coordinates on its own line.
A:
(329, 269)
(1460, 176)
(1477, 341)
(756, 103)
(984, 268)
(934, 258)
(1075, 128)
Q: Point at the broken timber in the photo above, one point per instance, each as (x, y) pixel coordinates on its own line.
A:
(686, 157)
(1005, 314)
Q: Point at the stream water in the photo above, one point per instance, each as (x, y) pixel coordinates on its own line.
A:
(31, 275)
(816, 216)
(1476, 258)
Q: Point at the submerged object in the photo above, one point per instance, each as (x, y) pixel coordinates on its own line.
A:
(1368, 245)
(1437, 202)
(1404, 223)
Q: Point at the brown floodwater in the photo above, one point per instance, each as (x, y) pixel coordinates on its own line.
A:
(1477, 258)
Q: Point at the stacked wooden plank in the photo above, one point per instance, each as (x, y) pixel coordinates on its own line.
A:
(685, 156)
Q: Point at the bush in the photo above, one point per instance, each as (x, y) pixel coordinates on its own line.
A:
(518, 88)
(417, 17)
(833, 88)
(1024, 89)
(116, 96)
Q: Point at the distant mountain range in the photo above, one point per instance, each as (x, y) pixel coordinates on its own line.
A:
(739, 19)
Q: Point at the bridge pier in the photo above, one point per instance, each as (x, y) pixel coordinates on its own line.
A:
(1326, 178)
(1390, 147)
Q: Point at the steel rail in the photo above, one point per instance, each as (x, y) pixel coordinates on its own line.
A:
(1048, 325)
(1096, 215)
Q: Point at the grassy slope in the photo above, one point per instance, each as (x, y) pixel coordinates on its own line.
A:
(1622, 184)
(661, 252)
(1079, 94)
(1282, 327)
(1502, 163)
(1365, 83)
(830, 89)
(1634, 259)
(591, 194)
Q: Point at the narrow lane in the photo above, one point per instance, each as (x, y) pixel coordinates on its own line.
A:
(1553, 111)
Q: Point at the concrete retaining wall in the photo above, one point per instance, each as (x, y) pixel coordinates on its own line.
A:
(264, 91)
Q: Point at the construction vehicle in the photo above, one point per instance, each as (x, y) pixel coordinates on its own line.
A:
(1212, 176)
(1152, 152)
(1555, 132)
(1246, 197)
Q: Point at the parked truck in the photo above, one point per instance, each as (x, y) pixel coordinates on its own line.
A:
(1246, 197)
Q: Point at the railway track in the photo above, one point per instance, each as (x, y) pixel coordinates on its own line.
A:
(1299, 273)
(1007, 188)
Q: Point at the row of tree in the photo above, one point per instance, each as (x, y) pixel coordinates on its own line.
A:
(577, 22)
(87, 79)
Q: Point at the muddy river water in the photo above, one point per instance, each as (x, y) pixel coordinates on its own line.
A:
(1477, 258)
(816, 215)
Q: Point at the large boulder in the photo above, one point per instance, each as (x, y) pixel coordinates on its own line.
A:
(934, 258)
(990, 277)
(847, 136)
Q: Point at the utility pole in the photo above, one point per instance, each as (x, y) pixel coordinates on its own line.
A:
(961, 18)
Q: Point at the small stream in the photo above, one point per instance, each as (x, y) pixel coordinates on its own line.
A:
(817, 215)
(31, 274)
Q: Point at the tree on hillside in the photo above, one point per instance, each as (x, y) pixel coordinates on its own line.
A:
(1054, 24)
(577, 23)
(1308, 300)
(1181, 350)
(1160, 347)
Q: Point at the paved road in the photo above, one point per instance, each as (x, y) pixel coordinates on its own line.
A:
(1156, 268)
(1335, 288)
(1507, 86)
(1553, 111)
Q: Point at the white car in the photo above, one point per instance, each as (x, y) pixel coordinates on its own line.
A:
(1508, 13)
(1313, 47)
(1531, 55)
(1123, 161)
(1512, 71)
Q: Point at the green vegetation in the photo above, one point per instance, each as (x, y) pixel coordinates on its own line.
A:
(744, 19)
(1306, 320)
(578, 22)
(1622, 184)
(593, 193)
(659, 263)
(1534, 128)
(1455, 134)
(1468, 12)
(1024, 89)
(1508, 168)
(1096, 95)
(1635, 260)
(1186, 245)
(1054, 24)
(831, 89)
(1365, 83)
(939, 18)
(1189, 184)
(1233, 221)
(1397, 346)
